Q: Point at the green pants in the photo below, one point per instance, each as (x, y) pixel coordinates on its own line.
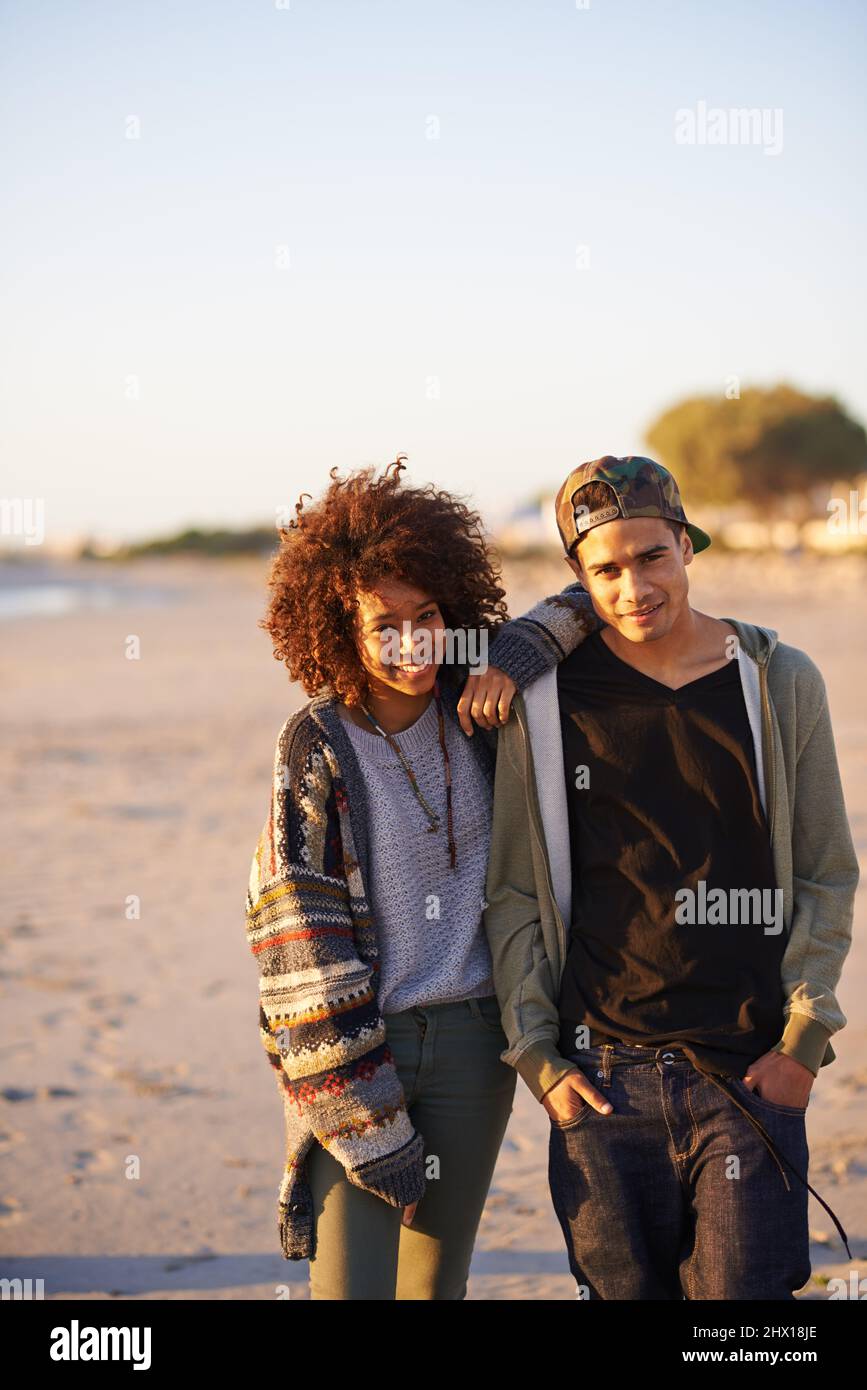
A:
(459, 1096)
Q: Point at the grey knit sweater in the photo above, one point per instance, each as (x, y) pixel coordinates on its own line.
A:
(432, 945)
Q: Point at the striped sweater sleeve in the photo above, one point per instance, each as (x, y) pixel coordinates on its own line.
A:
(318, 1016)
(527, 647)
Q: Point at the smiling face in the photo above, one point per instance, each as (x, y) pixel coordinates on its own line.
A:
(635, 573)
(388, 624)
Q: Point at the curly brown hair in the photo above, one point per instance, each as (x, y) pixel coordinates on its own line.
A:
(360, 530)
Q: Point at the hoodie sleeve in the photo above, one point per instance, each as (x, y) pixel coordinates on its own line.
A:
(513, 925)
(824, 878)
(527, 647)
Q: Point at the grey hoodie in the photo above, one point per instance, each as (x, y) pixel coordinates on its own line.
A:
(529, 884)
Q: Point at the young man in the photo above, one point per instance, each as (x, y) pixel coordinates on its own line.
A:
(670, 895)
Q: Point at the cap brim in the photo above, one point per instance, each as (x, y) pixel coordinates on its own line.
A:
(700, 539)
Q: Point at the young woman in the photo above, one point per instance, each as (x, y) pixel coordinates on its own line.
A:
(366, 892)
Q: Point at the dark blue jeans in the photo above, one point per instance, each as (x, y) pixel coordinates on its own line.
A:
(676, 1194)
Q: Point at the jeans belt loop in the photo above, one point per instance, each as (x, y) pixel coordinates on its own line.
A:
(607, 1050)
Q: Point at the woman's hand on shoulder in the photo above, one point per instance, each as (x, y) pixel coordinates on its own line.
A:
(487, 699)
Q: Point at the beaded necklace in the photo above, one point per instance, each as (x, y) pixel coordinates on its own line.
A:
(433, 818)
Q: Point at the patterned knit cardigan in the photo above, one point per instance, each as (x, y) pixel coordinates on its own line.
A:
(309, 925)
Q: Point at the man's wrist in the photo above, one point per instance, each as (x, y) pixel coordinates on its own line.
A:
(542, 1068)
(805, 1040)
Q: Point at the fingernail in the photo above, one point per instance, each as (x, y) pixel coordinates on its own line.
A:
(607, 1108)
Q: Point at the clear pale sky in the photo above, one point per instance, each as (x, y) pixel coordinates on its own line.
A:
(433, 302)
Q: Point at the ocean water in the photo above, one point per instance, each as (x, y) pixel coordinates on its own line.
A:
(33, 592)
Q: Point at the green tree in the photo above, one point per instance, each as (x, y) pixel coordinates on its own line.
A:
(767, 445)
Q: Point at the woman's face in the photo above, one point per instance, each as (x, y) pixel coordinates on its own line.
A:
(396, 628)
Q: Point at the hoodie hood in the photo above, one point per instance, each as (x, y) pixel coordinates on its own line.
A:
(757, 642)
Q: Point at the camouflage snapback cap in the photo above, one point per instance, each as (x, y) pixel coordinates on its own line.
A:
(639, 487)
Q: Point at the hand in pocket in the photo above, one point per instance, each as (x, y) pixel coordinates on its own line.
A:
(566, 1100)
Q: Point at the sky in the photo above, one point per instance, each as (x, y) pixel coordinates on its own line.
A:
(242, 243)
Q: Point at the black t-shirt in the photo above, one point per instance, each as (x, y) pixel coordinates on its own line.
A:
(667, 800)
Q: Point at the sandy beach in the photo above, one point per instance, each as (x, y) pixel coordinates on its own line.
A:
(141, 1138)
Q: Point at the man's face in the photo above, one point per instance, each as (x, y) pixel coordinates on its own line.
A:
(635, 574)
